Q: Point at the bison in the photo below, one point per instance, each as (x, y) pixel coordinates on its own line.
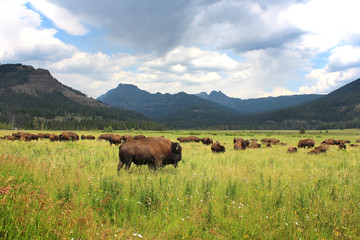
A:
(254, 145)
(89, 137)
(153, 151)
(207, 141)
(115, 139)
(317, 151)
(240, 145)
(292, 149)
(68, 136)
(53, 137)
(306, 143)
(216, 147)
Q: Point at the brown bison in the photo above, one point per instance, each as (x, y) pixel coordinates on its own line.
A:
(354, 145)
(139, 136)
(240, 145)
(127, 138)
(292, 150)
(216, 147)
(183, 139)
(115, 139)
(207, 141)
(88, 137)
(342, 146)
(68, 136)
(306, 143)
(246, 142)
(153, 151)
(358, 141)
(317, 151)
(254, 145)
(53, 137)
(105, 136)
(330, 141)
(194, 139)
(8, 137)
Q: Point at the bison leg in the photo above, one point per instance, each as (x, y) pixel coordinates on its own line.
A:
(120, 165)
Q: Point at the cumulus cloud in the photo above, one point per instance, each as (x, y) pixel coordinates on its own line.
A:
(162, 25)
(24, 40)
(62, 18)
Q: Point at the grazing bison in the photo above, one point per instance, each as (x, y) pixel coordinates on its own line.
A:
(207, 141)
(292, 150)
(317, 151)
(127, 138)
(354, 145)
(139, 136)
(183, 139)
(342, 146)
(194, 139)
(246, 142)
(216, 147)
(306, 143)
(115, 139)
(68, 136)
(53, 137)
(240, 145)
(254, 145)
(358, 141)
(8, 137)
(330, 141)
(89, 137)
(153, 151)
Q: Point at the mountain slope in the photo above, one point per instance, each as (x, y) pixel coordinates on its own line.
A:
(180, 110)
(338, 109)
(29, 95)
(257, 105)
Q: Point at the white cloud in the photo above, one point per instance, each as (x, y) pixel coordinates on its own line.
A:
(22, 39)
(277, 91)
(61, 17)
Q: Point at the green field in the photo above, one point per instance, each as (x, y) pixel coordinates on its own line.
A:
(71, 190)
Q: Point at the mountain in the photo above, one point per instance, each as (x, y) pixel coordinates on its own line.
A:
(338, 109)
(179, 110)
(257, 105)
(31, 98)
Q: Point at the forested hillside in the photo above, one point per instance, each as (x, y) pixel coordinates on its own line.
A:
(32, 98)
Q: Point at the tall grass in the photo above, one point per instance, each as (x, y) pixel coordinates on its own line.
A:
(72, 190)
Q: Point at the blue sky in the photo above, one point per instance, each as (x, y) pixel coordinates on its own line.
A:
(244, 48)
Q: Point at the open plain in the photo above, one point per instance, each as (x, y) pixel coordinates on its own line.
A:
(72, 190)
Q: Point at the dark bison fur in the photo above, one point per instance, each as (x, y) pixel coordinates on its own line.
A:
(207, 141)
(217, 147)
(68, 136)
(317, 151)
(292, 149)
(306, 143)
(152, 151)
(88, 137)
(240, 145)
(254, 145)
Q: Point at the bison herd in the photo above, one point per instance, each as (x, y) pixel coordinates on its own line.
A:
(159, 151)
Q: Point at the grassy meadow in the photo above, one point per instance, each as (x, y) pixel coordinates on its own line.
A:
(71, 190)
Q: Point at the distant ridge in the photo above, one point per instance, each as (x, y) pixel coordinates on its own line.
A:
(338, 109)
(31, 98)
(258, 105)
(179, 110)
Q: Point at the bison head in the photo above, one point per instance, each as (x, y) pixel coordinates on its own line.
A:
(176, 150)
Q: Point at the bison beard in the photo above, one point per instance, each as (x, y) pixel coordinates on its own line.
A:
(152, 151)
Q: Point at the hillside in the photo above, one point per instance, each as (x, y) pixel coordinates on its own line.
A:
(31, 98)
(257, 105)
(338, 109)
(179, 110)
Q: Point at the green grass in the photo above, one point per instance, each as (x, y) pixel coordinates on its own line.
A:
(72, 190)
